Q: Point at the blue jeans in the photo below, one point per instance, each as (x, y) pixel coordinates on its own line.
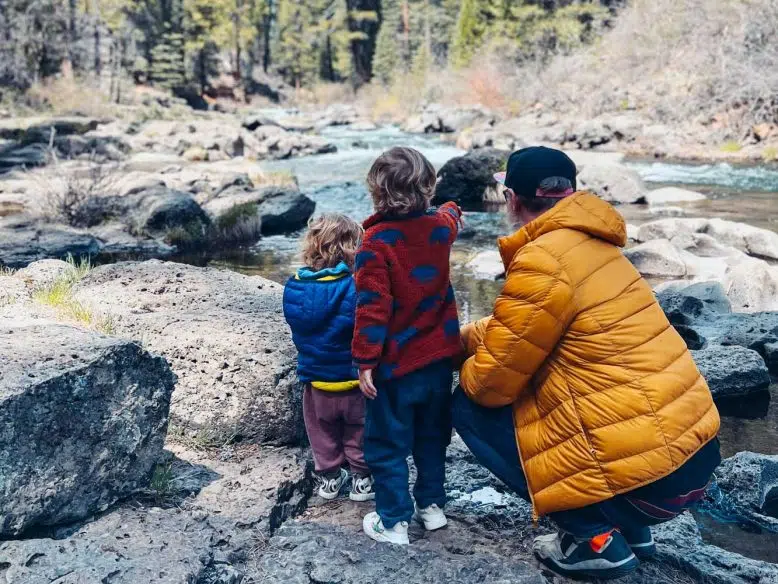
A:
(410, 415)
(490, 435)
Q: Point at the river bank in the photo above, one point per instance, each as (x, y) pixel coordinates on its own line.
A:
(229, 499)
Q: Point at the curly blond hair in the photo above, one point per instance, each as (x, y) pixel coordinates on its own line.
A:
(401, 181)
(331, 239)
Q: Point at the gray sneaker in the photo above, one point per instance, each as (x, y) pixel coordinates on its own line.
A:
(329, 488)
(362, 488)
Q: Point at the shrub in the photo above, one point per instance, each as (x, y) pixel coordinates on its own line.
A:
(240, 224)
(79, 199)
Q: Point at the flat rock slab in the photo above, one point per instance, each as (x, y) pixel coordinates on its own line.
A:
(84, 418)
(127, 546)
(681, 545)
(303, 552)
(225, 337)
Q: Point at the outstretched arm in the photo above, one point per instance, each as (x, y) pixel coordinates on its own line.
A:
(530, 316)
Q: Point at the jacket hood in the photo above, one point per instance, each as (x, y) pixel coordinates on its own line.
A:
(582, 211)
(313, 298)
(330, 273)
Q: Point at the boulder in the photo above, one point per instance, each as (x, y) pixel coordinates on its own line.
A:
(489, 137)
(362, 126)
(284, 211)
(43, 273)
(39, 130)
(486, 265)
(615, 183)
(690, 303)
(668, 195)
(732, 371)
(680, 544)
(754, 241)
(155, 210)
(439, 119)
(747, 490)
(304, 552)
(29, 156)
(771, 357)
(225, 337)
(127, 546)
(23, 241)
(468, 180)
(278, 144)
(670, 228)
(84, 419)
(658, 257)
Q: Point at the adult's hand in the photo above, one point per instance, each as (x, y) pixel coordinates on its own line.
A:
(366, 385)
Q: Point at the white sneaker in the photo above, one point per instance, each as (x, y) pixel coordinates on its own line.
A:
(330, 488)
(374, 528)
(431, 517)
(362, 488)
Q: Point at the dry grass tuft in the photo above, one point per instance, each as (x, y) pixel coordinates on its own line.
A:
(59, 295)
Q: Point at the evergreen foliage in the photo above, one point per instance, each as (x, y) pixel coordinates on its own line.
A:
(179, 44)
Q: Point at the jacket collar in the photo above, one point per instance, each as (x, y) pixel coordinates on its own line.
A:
(582, 211)
(339, 271)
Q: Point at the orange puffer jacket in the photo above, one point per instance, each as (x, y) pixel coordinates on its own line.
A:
(606, 397)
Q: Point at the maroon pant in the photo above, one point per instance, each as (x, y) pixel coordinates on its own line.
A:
(335, 422)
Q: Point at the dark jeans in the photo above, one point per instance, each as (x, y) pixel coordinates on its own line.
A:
(410, 415)
(489, 434)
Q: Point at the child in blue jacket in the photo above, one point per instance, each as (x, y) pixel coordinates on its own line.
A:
(319, 305)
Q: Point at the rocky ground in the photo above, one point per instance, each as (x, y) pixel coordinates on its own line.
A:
(230, 499)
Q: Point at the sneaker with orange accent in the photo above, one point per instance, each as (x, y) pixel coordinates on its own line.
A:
(605, 556)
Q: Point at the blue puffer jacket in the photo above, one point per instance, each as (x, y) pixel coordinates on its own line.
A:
(319, 307)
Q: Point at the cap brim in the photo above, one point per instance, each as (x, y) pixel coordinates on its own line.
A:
(500, 177)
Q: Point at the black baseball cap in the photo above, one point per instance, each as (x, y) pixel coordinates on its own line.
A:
(528, 167)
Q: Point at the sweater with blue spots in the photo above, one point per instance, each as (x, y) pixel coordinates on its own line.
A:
(406, 314)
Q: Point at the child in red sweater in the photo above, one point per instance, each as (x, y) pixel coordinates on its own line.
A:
(405, 337)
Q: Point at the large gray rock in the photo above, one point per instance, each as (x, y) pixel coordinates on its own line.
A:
(24, 241)
(225, 337)
(747, 238)
(747, 489)
(732, 371)
(668, 195)
(439, 119)
(301, 553)
(128, 546)
(468, 180)
(615, 183)
(158, 209)
(280, 210)
(84, 419)
(681, 545)
(32, 130)
(658, 257)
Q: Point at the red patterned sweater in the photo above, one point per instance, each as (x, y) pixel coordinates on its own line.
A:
(406, 312)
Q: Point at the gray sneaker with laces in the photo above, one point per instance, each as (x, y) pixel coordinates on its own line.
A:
(362, 488)
(329, 487)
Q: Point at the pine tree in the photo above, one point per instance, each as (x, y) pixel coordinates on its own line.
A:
(467, 33)
(297, 55)
(168, 69)
(386, 60)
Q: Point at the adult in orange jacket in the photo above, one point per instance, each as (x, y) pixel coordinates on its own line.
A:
(577, 392)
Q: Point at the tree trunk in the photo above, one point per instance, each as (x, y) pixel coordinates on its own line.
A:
(98, 58)
(72, 32)
(236, 29)
(362, 49)
(268, 22)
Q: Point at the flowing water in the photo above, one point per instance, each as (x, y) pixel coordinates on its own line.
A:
(336, 183)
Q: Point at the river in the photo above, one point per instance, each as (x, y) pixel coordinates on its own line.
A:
(336, 183)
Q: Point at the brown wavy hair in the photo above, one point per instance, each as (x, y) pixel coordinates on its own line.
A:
(401, 181)
(331, 239)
